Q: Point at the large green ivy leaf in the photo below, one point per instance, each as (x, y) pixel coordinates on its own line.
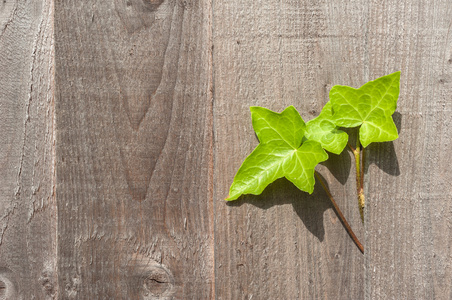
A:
(280, 153)
(371, 107)
(322, 129)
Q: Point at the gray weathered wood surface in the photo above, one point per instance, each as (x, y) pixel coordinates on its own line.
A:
(408, 231)
(278, 53)
(134, 150)
(28, 220)
(122, 124)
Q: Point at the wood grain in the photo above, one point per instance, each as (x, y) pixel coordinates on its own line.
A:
(27, 205)
(409, 209)
(276, 54)
(116, 153)
(284, 244)
(134, 149)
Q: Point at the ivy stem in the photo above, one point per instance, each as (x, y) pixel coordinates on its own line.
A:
(339, 213)
(362, 169)
(359, 177)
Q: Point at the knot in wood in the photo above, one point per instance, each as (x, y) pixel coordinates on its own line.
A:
(158, 282)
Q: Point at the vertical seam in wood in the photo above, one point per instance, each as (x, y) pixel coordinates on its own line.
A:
(212, 94)
(53, 155)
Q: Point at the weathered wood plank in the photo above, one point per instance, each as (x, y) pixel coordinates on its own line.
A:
(409, 214)
(27, 206)
(134, 151)
(284, 244)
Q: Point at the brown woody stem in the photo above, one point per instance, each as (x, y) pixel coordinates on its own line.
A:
(339, 213)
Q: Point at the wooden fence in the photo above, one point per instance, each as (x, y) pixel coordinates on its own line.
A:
(123, 122)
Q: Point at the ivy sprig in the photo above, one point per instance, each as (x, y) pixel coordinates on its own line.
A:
(289, 147)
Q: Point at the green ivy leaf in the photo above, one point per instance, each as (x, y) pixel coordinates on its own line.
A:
(280, 153)
(371, 107)
(323, 130)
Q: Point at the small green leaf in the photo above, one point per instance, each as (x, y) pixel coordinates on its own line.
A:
(323, 130)
(371, 106)
(279, 154)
